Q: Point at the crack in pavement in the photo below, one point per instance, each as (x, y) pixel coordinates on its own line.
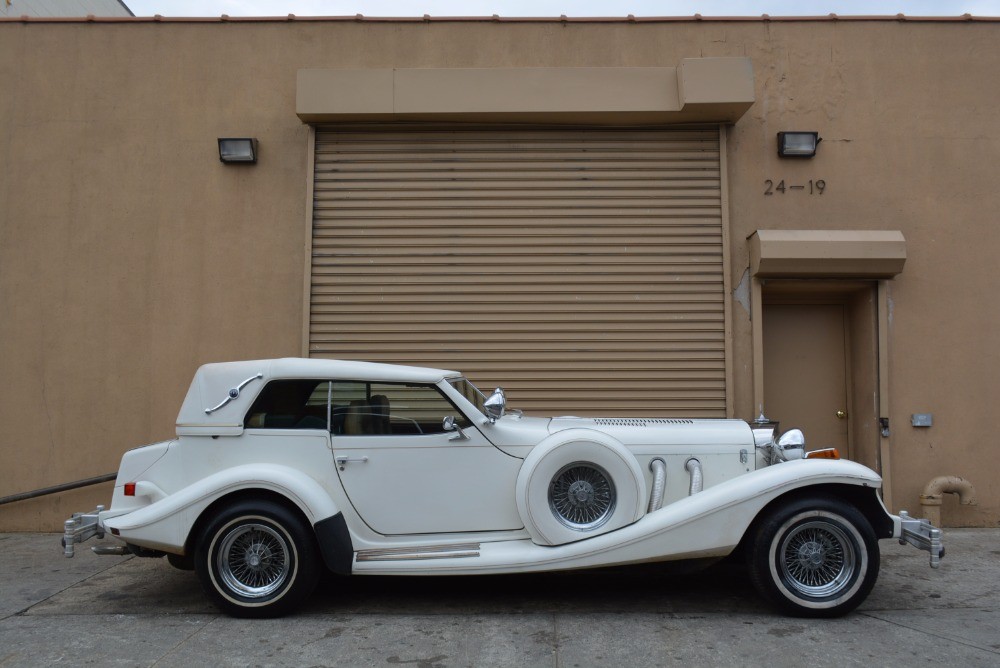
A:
(939, 635)
(183, 640)
(23, 611)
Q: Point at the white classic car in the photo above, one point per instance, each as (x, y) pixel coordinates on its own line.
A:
(283, 468)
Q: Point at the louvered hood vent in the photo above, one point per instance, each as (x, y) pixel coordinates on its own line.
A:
(638, 422)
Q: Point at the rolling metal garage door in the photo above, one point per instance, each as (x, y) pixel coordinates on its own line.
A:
(581, 269)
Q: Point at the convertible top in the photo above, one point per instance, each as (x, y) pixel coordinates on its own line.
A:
(210, 409)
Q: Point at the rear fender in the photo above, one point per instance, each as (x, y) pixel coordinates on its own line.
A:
(166, 524)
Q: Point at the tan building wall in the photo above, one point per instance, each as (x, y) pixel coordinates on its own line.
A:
(129, 254)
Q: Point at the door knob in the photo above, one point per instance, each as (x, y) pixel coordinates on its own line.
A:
(841, 414)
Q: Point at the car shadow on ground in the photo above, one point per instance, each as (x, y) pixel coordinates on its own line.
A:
(655, 588)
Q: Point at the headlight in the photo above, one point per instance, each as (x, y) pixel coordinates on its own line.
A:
(773, 449)
(791, 445)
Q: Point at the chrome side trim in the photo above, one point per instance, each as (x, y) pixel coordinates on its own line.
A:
(456, 551)
(416, 557)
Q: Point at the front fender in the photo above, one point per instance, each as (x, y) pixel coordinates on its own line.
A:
(165, 525)
(710, 523)
(796, 474)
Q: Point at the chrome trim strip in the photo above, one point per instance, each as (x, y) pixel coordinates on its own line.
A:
(416, 557)
(456, 550)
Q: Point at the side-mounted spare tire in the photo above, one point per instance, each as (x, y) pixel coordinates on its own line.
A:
(577, 484)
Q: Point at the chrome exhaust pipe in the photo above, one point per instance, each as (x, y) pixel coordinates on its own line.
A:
(110, 550)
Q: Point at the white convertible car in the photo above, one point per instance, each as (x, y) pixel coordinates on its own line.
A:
(282, 468)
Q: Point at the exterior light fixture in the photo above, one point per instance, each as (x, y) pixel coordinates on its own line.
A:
(238, 150)
(798, 144)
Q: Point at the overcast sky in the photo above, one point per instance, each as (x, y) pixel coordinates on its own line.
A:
(557, 7)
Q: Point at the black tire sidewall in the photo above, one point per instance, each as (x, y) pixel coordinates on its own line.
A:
(303, 555)
(766, 572)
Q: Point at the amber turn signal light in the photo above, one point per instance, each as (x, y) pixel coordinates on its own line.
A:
(825, 453)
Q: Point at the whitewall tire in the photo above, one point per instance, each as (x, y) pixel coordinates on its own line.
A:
(814, 557)
(577, 484)
(257, 559)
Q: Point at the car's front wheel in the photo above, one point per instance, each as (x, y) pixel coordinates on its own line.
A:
(257, 559)
(814, 557)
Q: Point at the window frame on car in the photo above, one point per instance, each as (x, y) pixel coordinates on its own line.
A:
(299, 412)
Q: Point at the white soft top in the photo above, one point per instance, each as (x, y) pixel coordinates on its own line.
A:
(214, 383)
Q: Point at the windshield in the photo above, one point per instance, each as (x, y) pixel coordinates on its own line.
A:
(470, 392)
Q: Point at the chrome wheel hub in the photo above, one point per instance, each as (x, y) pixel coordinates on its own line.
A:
(253, 560)
(810, 555)
(582, 496)
(581, 493)
(817, 559)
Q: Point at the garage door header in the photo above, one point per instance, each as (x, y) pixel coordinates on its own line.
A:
(716, 90)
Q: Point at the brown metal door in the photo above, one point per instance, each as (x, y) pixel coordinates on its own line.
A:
(805, 372)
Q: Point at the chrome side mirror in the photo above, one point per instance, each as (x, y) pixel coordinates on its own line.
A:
(495, 405)
(449, 424)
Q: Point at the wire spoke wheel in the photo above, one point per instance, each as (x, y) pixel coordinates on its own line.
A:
(582, 496)
(253, 560)
(257, 558)
(814, 556)
(817, 559)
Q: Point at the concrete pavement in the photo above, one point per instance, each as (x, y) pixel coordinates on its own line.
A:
(128, 611)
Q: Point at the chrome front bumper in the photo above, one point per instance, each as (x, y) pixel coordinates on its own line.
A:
(81, 527)
(921, 534)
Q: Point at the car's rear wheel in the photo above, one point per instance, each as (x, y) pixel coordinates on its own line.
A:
(257, 559)
(814, 557)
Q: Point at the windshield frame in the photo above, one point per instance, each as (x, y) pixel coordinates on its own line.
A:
(476, 397)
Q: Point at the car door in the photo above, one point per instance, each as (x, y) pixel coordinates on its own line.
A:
(405, 474)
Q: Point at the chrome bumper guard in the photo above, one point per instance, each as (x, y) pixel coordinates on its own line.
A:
(81, 527)
(920, 533)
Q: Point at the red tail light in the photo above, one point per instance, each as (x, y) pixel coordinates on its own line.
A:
(130, 489)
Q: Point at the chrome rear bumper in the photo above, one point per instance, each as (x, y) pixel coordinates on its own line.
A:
(81, 527)
(920, 533)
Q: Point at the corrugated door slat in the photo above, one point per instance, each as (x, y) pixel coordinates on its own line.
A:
(581, 269)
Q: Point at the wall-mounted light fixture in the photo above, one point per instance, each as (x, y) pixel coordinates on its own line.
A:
(798, 144)
(238, 150)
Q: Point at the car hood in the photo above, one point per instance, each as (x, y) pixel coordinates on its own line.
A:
(662, 431)
(516, 435)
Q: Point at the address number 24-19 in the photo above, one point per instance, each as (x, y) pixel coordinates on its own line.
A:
(812, 187)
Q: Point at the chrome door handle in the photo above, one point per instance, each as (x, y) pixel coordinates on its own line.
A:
(342, 460)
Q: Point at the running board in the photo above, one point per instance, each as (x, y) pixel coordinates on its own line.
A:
(456, 551)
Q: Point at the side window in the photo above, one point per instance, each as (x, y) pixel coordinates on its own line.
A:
(366, 409)
(289, 404)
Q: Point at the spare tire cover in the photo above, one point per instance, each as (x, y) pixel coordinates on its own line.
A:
(576, 484)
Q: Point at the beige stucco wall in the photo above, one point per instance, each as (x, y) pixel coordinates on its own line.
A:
(129, 254)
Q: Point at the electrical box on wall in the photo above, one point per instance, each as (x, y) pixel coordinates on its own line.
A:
(922, 419)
